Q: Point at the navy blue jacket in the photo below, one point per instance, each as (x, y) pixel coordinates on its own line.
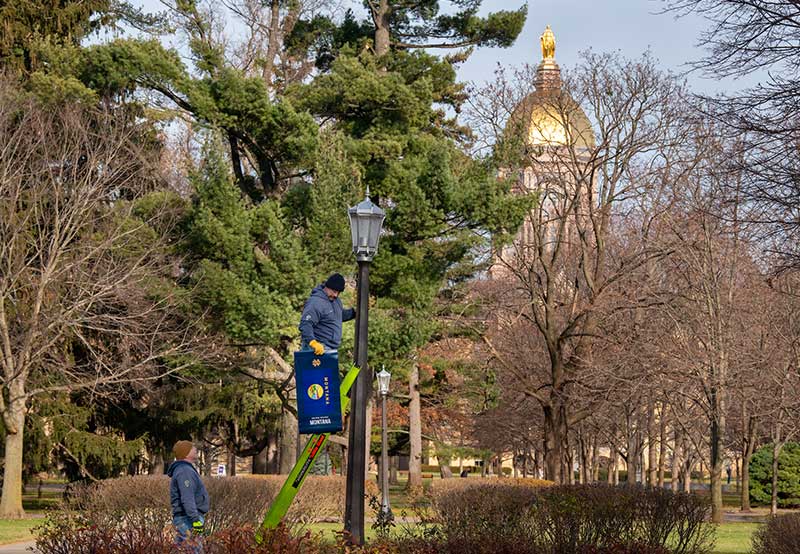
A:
(322, 319)
(187, 493)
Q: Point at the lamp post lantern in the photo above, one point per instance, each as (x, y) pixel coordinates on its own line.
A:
(366, 220)
(383, 388)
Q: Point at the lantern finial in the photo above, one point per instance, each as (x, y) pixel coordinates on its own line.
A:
(366, 220)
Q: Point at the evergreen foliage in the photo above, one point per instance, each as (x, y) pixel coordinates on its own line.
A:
(247, 268)
(409, 25)
(266, 215)
(269, 139)
(437, 199)
(26, 28)
(788, 476)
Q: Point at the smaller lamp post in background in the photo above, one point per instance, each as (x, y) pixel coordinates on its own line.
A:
(383, 388)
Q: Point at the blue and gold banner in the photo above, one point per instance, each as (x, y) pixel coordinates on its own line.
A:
(319, 407)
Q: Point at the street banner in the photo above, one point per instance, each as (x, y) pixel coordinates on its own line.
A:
(319, 405)
(297, 476)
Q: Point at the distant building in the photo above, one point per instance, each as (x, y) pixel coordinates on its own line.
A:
(547, 143)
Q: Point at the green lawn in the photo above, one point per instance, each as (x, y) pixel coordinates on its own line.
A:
(734, 538)
(17, 530)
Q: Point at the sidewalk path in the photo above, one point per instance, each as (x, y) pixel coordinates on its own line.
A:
(17, 548)
(741, 517)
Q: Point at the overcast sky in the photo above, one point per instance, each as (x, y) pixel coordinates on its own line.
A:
(631, 26)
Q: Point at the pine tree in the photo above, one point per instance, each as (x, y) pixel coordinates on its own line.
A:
(410, 25)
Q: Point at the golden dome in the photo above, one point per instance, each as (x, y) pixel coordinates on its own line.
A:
(549, 116)
(551, 120)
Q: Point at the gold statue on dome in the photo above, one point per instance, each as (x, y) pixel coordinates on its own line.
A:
(548, 40)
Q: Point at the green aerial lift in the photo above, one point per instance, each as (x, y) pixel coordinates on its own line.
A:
(298, 474)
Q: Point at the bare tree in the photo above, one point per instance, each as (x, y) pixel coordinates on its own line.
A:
(781, 379)
(760, 348)
(587, 174)
(713, 274)
(759, 37)
(266, 26)
(79, 306)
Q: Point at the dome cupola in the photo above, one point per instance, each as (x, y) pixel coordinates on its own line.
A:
(549, 116)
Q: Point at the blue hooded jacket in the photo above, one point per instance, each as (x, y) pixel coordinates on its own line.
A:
(187, 493)
(322, 319)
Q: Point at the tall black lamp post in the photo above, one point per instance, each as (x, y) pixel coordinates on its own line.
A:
(383, 389)
(366, 220)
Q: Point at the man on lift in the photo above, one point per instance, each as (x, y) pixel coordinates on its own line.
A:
(323, 315)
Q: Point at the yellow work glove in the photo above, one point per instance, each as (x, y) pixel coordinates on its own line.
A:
(319, 350)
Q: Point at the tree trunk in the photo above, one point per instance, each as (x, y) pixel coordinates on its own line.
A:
(444, 468)
(525, 454)
(687, 476)
(538, 463)
(11, 502)
(273, 43)
(231, 463)
(776, 452)
(156, 465)
(381, 19)
(274, 453)
(676, 461)
(652, 430)
(612, 463)
(414, 431)
(747, 455)
(569, 465)
(554, 428)
(634, 447)
(715, 468)
(204, 463)
(631, 469)
(595, 460)
(718, 409)
(393, 462)
(260, 462)
(289, 442)
(662, 446)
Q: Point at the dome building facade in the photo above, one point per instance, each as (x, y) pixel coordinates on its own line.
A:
(548, 142)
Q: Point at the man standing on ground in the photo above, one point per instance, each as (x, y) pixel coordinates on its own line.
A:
(323, 315)
(187, 493)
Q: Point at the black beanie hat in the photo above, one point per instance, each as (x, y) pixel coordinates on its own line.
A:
(335, 282)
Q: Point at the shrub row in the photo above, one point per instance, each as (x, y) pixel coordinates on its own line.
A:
(132, 515)
(570, 519)
(442, 487)
(240, 540)
(143, 501)
(469, 516)
(780, 535)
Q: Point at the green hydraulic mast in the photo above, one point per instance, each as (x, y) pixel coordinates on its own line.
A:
(298, 474)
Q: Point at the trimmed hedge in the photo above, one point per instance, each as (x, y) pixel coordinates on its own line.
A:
(132, 515)
(779, 535)
(570, 519)
(470, 516)
(440, 487)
